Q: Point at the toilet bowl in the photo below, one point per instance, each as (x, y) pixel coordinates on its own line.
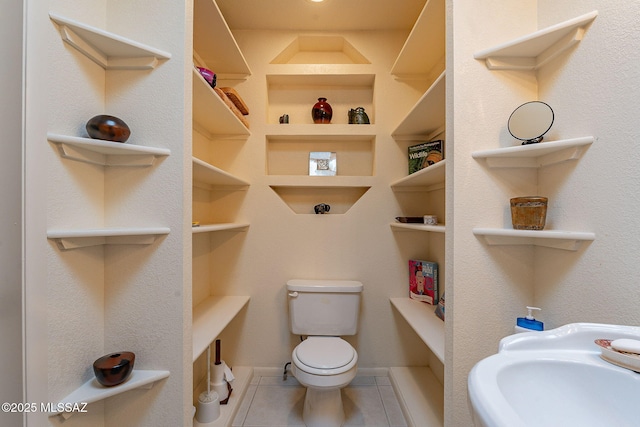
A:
(324, 365)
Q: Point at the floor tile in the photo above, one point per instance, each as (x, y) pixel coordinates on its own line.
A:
(276, 406)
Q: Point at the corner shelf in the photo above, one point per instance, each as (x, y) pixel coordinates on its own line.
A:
(207, 176)
(429, 178)
(428, 115)
(557, 239)
(211, 114)
(420, 394)
(72, 239)
(92, 391)
(211, 316)
(105, 153)
(535, 155)
(110, 51)
(421, 317)
(429, 30)
(399, 226)
(535, 50)
(214, 42)
(209, 228)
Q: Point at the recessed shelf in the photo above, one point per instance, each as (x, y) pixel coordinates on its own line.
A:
(214, 42)
(211, 115)
(316, 49)
(400, 226)
(415, 59)
(535, 155)
(301, 194)
(330, 130)
(566, 240)
(422, 318)
(72, 239)
(208, 176)
(92, 391)
(110, 51)
(429, 178)
(533, 51)
(428, 115)
(211, 316)
(230, 226)
(105, 153)
(420, 394)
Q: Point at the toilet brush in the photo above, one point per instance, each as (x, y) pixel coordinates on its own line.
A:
(208, 401)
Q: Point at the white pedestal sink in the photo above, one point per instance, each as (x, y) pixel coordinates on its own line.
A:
(555, 378)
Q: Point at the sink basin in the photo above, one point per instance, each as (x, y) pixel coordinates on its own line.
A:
(555, 378)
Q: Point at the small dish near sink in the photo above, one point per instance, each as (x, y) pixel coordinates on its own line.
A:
(556, 378)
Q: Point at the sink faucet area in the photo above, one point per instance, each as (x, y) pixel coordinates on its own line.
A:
(569, 376)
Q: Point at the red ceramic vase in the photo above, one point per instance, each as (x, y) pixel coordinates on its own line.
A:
(322, 111)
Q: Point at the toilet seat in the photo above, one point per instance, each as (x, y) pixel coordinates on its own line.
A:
(325, 356)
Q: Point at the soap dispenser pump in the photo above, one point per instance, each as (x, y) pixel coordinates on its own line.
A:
(529, 323)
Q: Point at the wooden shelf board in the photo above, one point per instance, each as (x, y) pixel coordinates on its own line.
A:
(208, 174)
(214, 42)
(105, 153)
(535, 155)
(424, 49)
(534, 50)
(420, 395)
(243, 376)
(427, 116)
(429, 178)
(106, 49)
(400, 226)
(421, 317)
(302, 181)
(211, 114)
(78, 238)
(342, 132)
(566, 240)
(92, 391)
(211, 316)
(210, 228)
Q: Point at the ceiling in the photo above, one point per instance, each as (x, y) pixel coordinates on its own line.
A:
(330, 15)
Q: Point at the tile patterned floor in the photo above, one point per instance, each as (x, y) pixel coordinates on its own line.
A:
(368, 401)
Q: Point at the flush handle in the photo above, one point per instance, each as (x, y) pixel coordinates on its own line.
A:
(293, 294)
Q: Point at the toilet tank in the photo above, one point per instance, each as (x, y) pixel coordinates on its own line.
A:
(324, 307)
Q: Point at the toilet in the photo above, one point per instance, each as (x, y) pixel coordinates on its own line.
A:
(324, 363)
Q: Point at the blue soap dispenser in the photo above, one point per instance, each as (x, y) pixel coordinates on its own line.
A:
(528, 323)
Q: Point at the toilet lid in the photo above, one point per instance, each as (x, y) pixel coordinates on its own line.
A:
(325, 352)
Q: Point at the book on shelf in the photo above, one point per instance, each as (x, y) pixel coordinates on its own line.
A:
(425, 154)
(423, 281)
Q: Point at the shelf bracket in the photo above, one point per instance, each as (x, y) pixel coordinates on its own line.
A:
(87, 156)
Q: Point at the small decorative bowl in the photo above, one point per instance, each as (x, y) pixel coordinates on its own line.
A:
(113, 369)
(109, 128)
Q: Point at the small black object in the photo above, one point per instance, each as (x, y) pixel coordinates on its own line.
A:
(322, 208)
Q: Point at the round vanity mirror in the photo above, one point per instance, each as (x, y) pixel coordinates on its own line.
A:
(530, 121)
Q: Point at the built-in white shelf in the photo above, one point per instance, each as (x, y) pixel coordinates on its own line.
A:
(424, 49)
(229, 226)
(566, 240)
(105, 153)
(330, 130)
(211, 316)
(533, 51)
(215, 44)
(110, 51)
(92, 391)
(243, 376)
(211, 115)
(206, 175)
(430, 178)
(427, 118)
(420, 394)
(535, 155)
(79, 238)
(319, 181)
(422, 318)
(401, 226)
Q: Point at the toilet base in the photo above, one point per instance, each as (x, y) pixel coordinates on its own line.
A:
(323, 408)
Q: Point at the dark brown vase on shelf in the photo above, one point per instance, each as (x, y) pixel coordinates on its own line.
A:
(109, 128)
(114, 368)
(322, 111)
